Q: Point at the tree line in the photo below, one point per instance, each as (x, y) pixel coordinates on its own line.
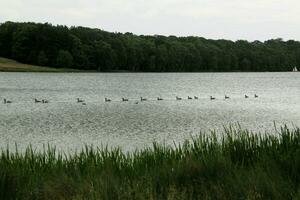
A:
(94, 49)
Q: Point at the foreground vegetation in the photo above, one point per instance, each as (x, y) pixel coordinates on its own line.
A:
(94, 49)
(239, 165)
(8, 65)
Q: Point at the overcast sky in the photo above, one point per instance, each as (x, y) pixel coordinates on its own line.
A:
(216, 19)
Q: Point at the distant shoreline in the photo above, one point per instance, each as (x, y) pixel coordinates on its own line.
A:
(9, 65)
(100, 51)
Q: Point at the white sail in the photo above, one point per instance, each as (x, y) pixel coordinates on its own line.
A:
(295, 69)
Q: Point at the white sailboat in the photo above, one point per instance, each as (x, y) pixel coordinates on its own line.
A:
(295, 69)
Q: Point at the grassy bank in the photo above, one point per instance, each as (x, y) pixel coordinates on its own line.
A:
(8, 65)
(241, 165)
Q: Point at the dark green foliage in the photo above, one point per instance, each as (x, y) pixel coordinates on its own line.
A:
(94, 49)
(42, 59)
(64, 59)
(237, 165)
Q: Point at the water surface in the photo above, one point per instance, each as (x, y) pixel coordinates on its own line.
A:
(70, 125)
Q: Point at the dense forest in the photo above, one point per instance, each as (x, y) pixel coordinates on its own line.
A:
(95, 49)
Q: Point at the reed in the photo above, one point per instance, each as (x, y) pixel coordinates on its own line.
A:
(237, 165)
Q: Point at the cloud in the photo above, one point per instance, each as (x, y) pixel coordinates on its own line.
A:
(229, 19)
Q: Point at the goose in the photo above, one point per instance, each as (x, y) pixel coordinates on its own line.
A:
(79, 100)
(212, 98)
(84, 104)
(6, 101)
(255, 96)
(189, 98)
(226, 97)
(159, 99)
(178, 98)
(107, 100)
(246, 96)
(37, 101)
(195, 97)
(123, 99)
(143, 99)
(45, 101)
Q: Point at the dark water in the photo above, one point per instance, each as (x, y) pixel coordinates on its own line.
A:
(70, 125)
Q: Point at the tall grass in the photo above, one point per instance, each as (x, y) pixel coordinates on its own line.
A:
(237, 165)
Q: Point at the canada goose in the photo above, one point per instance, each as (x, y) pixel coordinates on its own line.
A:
(226, 97)
(189, 98)
(178, 98)
(107, 100)
(79, 100)
(5, 101)
(195, 97)
(212, 98)
(143, 99)
(123, 99)
(246, 96)
(159, 99)
(84, 104)
(255, 96)
(45, 101)
(37, 101)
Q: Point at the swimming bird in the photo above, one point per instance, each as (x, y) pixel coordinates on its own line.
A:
(107, 100)
(5, 101)
(212, 98)
(178, 98)
(159, 99)
(255, 96)
(80, 100)
(189, 98)
(246, 96)
(195, 97)
(84, 104)
(226, 97)
(123, 99)
(45, 101)
(143, 99)
(37, 101)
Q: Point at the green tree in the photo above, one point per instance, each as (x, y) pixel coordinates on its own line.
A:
(246, 64)
(95, 49)
(22, 43)
(103, 56)
(64, 59)
(42, 58)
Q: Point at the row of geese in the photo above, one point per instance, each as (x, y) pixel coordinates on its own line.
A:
(5, 101)
(177, 98)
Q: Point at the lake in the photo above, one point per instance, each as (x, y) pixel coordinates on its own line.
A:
(134, 124)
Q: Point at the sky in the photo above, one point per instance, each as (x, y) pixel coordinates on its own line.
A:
(215, 19)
